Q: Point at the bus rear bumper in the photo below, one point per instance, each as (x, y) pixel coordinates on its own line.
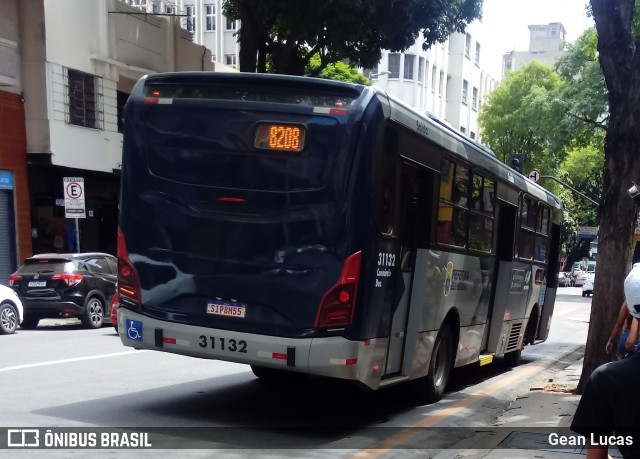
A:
(334, 357)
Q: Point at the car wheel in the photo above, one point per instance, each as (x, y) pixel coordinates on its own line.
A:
(8, 319)
(94, 313)
(29, 322)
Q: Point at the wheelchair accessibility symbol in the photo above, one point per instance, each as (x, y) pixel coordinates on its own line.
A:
(134, 330)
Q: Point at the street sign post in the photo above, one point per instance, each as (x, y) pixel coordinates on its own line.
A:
(534, 175)
(74, 202)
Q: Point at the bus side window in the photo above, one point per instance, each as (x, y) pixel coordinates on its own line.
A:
(527, 228)
(386, 183)
(453, 220)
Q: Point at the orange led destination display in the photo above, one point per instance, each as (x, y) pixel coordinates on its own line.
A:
(281, 137)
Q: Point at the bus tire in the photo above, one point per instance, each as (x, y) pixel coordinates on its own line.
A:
(513, 358)
(275, 375)
(431, 387)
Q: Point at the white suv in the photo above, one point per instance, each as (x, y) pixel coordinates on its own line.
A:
(587, 284)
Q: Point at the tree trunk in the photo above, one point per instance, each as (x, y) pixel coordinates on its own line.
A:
(251, 40)
(621, 68)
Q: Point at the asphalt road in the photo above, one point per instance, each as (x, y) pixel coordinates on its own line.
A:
(61, 375)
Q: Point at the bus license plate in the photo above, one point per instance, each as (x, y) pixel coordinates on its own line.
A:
(219, 308)
(37, 283)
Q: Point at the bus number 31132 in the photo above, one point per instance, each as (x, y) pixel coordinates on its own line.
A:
(223, 344)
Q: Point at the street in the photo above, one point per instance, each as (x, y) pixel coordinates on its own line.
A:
(61, 375)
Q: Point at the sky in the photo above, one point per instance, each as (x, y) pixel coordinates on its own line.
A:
(505, 22)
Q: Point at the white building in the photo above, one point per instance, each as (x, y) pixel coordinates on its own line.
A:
(80, 60)
(205, 20)
(546, 45)
(449, 79)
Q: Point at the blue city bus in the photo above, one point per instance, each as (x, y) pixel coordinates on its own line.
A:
(307, 226)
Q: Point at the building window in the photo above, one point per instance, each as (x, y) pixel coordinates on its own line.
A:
(465, 90)
(83, 99)
(472, 135)
(231, 24)
(477, 59)
(421, 69)
(191, 18)
(434, 79)
(441, 83)
(210, 17)
(463, 129)
(213, 58)
(474, 99)
(408, 66)
(121, 100)
(230, 60)
(467, 46)
(170, 9)
(394, 65)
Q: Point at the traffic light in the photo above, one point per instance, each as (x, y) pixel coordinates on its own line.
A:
(516, 162)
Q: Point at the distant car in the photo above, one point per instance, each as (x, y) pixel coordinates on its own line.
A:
(580, 278)
(564, 279)
(114, 312)
(587, 285)
(66, 285)
(11, 311)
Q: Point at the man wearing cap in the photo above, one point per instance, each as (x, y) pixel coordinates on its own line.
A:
(608, 413)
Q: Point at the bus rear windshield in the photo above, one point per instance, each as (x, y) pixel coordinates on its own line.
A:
(251, 93)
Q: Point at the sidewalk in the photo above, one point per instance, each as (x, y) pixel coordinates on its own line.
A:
(522, 431)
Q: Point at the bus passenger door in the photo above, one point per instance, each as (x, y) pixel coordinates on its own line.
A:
(413, 227)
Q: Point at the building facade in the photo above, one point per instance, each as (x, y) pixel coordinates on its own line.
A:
(448, 80)
(205, 20)
(546, 45)
(80, 61)
(15, 224)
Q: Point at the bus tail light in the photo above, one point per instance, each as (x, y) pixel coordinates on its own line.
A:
(337, 305)
(128, 279)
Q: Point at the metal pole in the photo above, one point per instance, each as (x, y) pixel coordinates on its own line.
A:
(77, 236)
(571, 188)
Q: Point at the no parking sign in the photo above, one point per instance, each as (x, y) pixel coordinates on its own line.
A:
(74, 197)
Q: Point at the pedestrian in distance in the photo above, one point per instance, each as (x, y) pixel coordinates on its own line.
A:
(607, 414)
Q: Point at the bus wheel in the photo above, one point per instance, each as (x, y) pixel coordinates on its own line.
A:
(431, 389)
(275, 375)
(513, 358)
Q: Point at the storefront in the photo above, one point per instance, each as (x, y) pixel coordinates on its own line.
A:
(8, 256)
(52, 232)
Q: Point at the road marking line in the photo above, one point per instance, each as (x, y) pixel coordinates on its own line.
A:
(77, 359)
(410, 431)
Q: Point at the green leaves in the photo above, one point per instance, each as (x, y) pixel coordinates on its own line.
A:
(287, 33)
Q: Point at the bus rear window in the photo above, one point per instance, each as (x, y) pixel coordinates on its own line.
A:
(271, 94)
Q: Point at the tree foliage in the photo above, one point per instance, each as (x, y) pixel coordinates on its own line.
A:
(522, 116)
(585, 92)
(288, 33)
(616, 23)
(338, 71)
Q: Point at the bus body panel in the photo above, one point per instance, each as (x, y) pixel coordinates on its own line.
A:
(211, 222)
(194, 246)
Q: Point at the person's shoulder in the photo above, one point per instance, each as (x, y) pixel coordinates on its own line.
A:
(615, 371)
